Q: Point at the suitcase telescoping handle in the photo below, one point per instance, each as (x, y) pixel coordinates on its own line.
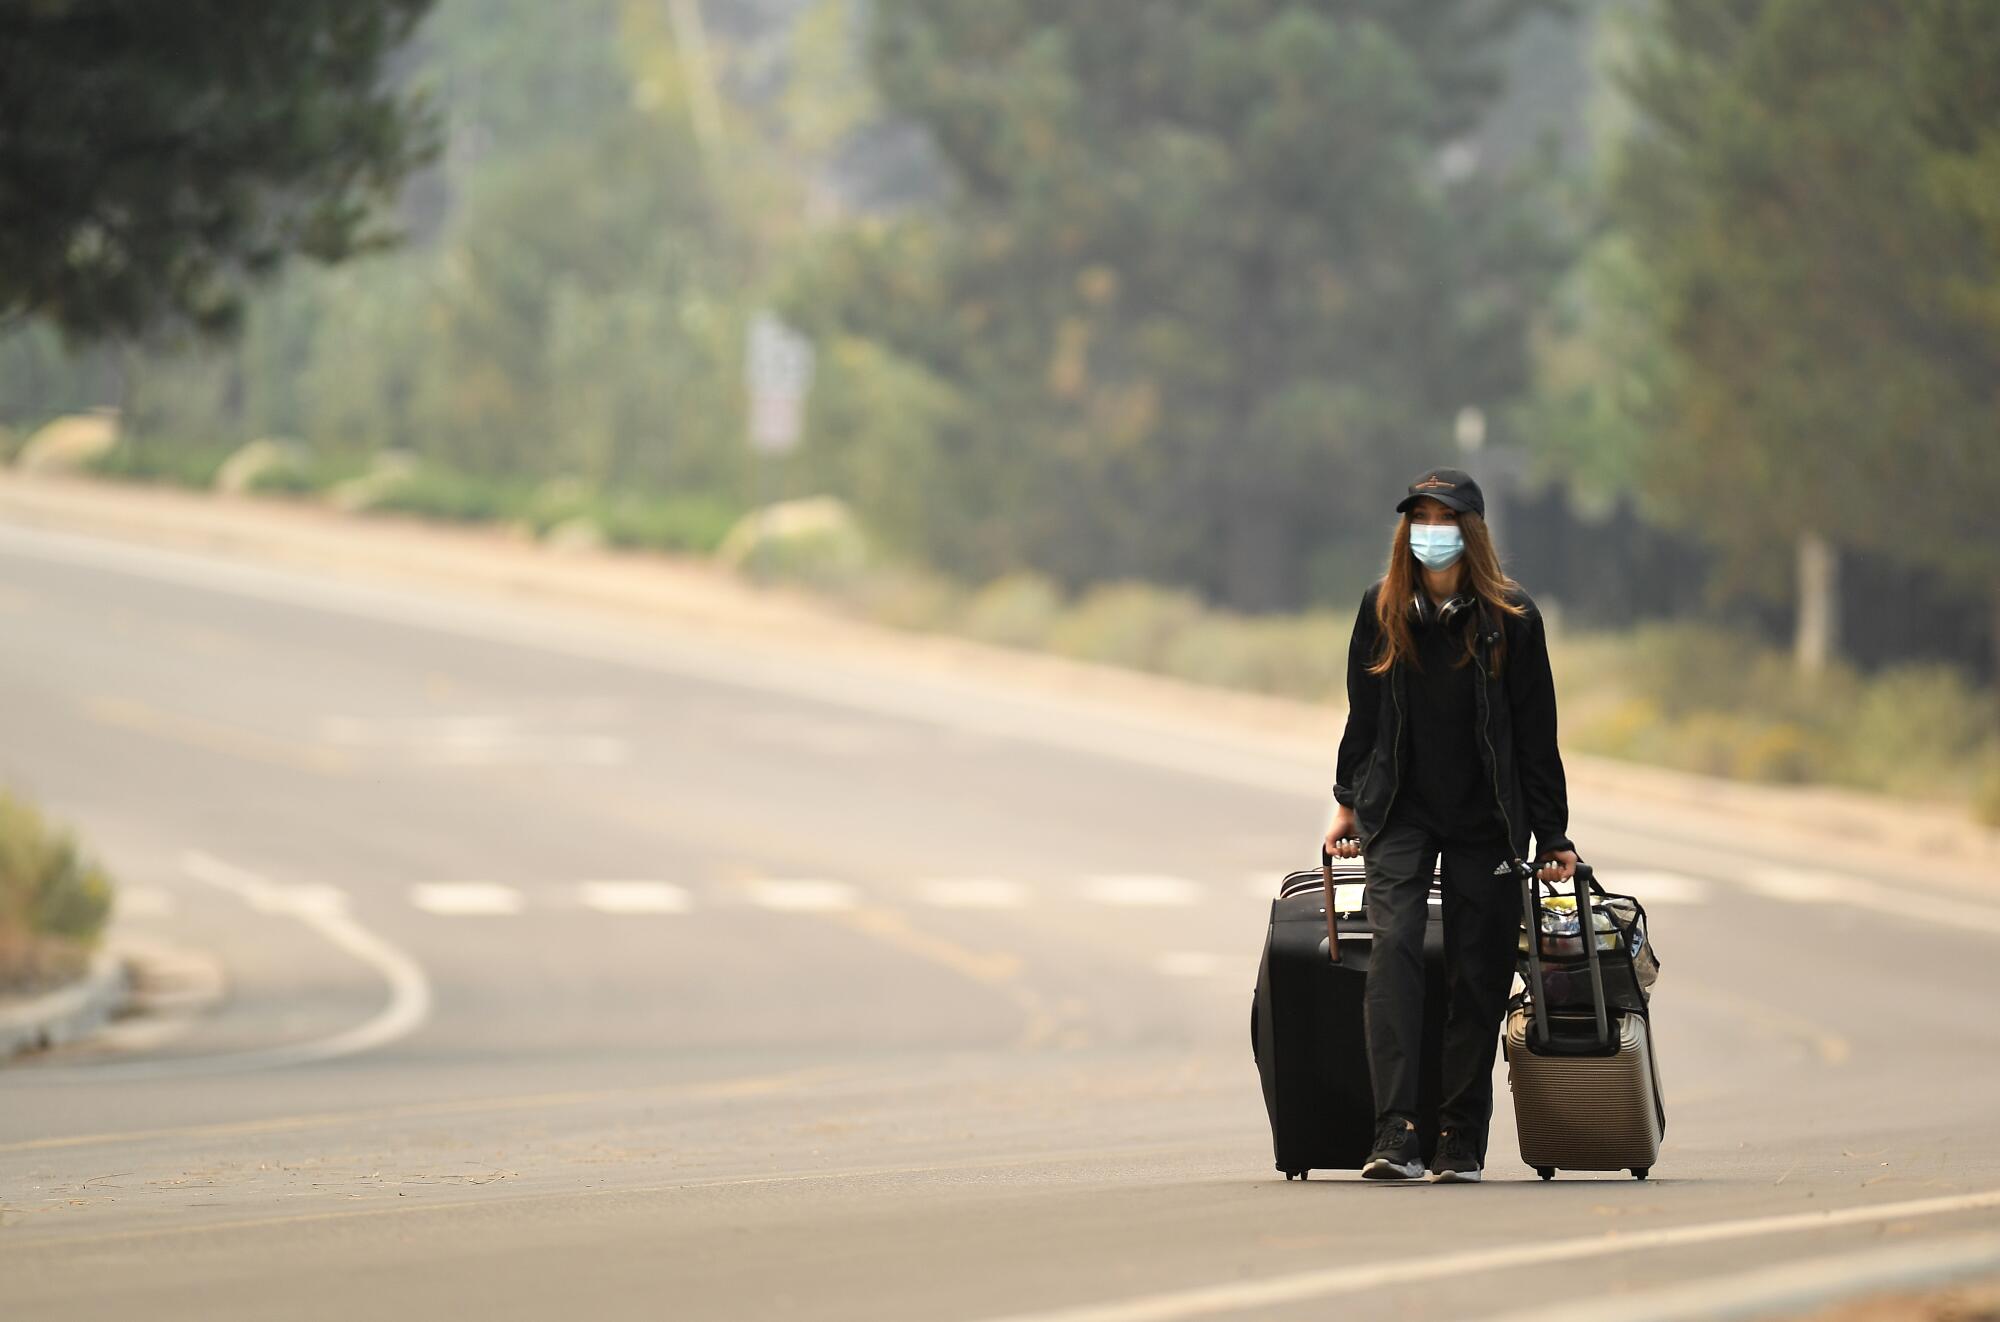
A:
(1333, 919)
(1586, 882)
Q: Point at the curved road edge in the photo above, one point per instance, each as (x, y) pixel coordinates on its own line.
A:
(68, 1013)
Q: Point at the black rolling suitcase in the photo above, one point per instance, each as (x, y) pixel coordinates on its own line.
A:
(1306, 1027)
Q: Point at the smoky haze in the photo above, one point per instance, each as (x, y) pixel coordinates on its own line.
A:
(662, 656)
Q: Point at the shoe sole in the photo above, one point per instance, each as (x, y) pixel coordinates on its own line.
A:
(1455, 1177)
(1382, 1169)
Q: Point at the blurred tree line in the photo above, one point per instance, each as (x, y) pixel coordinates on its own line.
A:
(1211, 282)
(1785, 334)
(566, 301)
(1182, 292)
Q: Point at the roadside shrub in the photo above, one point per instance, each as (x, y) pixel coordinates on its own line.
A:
(182, 464)
(1125, 624)
(902, 597)
(310, 477)
(1916, 729)
(1297, 656)
(692, 522)
(1018, 610)
(1986, 803)
(1779, 751)
(1614, 725)
(556, 502)
(1701, 699)
(813, 541)
(53, 900)
(437, 493)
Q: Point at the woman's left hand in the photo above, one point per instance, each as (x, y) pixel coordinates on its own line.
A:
(1556, 865)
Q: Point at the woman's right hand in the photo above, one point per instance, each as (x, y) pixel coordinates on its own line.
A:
(1341, 839)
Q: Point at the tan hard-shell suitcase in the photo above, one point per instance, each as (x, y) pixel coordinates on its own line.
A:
(1586, 1113)
(1586, 1097)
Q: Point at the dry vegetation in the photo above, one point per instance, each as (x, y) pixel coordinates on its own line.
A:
(53, 901)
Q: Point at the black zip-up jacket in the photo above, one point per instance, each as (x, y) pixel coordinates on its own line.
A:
(1516, 737)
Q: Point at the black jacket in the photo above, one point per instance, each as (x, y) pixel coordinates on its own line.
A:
(1517, 719)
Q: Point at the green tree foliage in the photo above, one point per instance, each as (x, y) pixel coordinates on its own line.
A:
(1814, 191)
(570, 302)
(153, 157)
(1214, 278)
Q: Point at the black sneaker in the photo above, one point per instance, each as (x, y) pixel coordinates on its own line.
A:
(1456, 1161)
(1397, 1155)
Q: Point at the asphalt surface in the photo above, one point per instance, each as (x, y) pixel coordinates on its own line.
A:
(573, 965)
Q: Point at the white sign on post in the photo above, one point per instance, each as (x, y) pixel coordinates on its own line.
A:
(779, 365)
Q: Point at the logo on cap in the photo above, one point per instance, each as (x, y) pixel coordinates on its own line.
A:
(1435, 481)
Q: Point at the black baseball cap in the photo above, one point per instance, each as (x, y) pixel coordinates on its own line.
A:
(1448, 486)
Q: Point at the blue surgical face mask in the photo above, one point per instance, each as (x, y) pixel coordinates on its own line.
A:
(1438, 545)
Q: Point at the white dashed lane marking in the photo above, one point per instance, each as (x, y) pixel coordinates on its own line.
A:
(634, 897)
(1141, 891)
(460, 899)
(802, 895)
(972, 893)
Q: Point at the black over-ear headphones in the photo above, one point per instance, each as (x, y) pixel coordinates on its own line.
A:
(1425, 614)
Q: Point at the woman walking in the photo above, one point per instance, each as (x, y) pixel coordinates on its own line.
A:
(1449, 758)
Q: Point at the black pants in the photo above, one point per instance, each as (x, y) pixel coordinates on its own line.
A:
(1482, 917)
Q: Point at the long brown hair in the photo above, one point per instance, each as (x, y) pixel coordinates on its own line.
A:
(1483, 578)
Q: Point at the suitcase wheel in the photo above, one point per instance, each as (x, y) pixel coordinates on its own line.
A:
(1641, 1172)
(1546, 1172)
(1294, 1175)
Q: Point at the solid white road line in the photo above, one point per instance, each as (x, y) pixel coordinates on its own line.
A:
(972, 893)
(1142, 891)
(1243, 1296)
(324, 909)
(459, 899)
(802, 895)
(634, 897)
(1792, 1287)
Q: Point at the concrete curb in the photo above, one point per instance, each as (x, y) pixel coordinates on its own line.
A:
(68, 1013)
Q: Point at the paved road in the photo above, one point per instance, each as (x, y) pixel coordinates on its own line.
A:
(574, 965)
